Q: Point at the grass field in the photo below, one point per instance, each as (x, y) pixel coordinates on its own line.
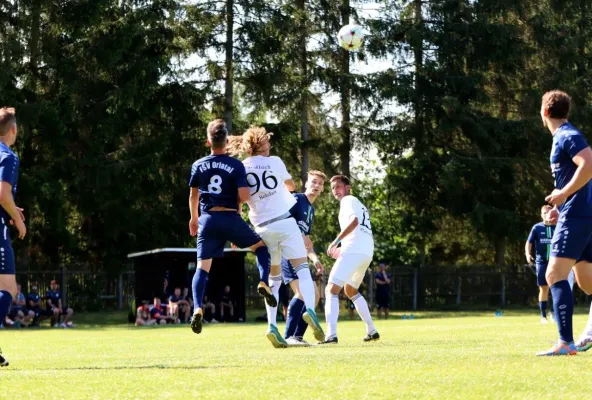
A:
(435, 356)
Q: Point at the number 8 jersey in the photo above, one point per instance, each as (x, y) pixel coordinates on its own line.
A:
(360, 241)
(269, 196)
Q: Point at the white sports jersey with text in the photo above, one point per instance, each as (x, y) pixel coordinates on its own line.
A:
(360, 241)
(269, 196)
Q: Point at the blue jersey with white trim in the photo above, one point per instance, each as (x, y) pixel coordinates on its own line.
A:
(540, 237)
(9, 165)
(567, 143)
(303, 212)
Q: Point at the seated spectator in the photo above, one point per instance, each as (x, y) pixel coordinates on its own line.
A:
(226, 303)
(158, 312)
(209, 310)
(143, 316)
(18, 311)
(34, 304)
(54, 304)
(189, 299)
(177, 306)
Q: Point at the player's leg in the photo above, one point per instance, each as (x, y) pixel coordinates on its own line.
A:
(543, 302)
(296, 306)
(583, 275)
(363, 311)
(332, 305)
(243, 236)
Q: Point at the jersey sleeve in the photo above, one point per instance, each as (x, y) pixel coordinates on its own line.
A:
(8, 169)
(532, 235)
(574, 143)
(194, 177)
(240, 174)
(281, 170)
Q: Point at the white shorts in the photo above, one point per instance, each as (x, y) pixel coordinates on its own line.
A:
(283, 239)
(350, 268)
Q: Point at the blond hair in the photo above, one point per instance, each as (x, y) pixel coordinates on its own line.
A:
(318, 174)
(7, 119)
(250, 143)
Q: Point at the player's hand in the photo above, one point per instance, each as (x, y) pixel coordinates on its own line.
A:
(22, 229)
(193, 226)
(553, 216)
(319, 268)
(333, 251)
(307, 243)
(234, 246)
(20, 211)
(529, 258)
(556, 198)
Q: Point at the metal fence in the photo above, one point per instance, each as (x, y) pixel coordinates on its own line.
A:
(442, 288)
(83, 290)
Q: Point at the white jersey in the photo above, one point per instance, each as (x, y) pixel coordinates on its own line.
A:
(269, 196)
(360, 241)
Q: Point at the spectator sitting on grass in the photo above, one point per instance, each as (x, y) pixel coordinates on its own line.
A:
(54, 304)
(226, 303)
(209, 309)
(158, 312)
(143, 317)
(34, 304)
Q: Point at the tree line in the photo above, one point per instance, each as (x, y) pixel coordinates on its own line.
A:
(113, 97)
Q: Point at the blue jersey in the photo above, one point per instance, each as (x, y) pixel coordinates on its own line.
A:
(9, 165)
(218, 178)
(54, 297)
(567, 142)
(303, 213)
(540, 237)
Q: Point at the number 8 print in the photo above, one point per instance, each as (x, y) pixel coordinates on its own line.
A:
(215, 185)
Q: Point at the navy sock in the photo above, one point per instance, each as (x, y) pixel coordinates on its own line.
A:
(543, 307)
(199, 286)
(295, 311)
(302, 326)
(5, 301)
(564, 306)
(263, 263)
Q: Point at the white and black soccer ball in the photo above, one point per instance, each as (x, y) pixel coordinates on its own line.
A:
(351, 37)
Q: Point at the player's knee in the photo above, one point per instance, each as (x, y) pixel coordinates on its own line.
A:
(350, 291)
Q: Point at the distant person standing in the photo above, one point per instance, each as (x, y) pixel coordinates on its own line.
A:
(383, 290)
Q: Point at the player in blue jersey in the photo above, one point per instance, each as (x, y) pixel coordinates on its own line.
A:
(10, 214)
(218, 187)
(539, 239)
(571, 246)
(303, 212)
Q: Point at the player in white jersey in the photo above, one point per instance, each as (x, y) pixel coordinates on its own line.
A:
(353, 259)
(269, 211)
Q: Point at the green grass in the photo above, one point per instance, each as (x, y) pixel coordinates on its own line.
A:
(435, 356)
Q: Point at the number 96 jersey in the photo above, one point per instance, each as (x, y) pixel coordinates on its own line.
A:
(360, 241)
(269, 196)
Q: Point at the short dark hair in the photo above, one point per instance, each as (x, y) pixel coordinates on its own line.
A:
(342, 178)
(7, 119)
(217, 133)
(557, 104)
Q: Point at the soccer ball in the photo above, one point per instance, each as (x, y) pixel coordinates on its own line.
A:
(351, 37)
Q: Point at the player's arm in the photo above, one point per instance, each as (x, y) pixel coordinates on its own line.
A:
(529, 245)
(193, 210)
(290, 185)
(315, 260)
(7, 202)
(583, 174)
(353, 224)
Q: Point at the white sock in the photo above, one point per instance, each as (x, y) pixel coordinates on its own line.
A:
(306, 285)
(274, 284)
(332, 314)
(588, 329)
(363, 311)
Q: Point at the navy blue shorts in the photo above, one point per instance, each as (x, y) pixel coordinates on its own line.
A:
(288, 274)
(7, 266)
(573, 239)
(218, 227)
(382, 300)
(541, 270)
